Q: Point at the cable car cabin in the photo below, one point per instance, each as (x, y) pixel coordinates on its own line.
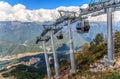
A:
(60, 36)
(83, 27)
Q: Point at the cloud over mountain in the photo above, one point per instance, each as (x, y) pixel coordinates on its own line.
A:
(20, 13)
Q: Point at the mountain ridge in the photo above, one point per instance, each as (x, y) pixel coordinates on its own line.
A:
(13, 35)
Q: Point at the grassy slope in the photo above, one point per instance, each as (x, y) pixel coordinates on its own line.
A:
(94, 53)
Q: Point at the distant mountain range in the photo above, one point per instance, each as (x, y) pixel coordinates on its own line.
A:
(19, 37)
(18, 32)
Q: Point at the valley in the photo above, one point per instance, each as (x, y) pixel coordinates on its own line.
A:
(18, 51)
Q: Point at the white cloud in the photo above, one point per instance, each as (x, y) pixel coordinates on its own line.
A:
(103, 17)
(84, 6)
(20, 13)
(98, 18)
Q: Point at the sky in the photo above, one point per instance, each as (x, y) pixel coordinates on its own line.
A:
(47, 4)
(42, 10)
(34, 10)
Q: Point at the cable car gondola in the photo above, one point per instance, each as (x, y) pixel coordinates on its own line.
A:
(60, 36)
(83, 27)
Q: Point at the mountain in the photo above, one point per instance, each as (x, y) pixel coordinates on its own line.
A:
(88, 62)
(15, 35)
(18, 32)
(19, 37)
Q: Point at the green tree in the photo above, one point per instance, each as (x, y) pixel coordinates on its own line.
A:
(85, 48)
(99, 38)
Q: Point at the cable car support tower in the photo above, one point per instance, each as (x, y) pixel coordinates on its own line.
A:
(102, 7)
(94, 9)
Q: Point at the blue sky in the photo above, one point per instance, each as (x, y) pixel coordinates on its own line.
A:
(47, 4)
